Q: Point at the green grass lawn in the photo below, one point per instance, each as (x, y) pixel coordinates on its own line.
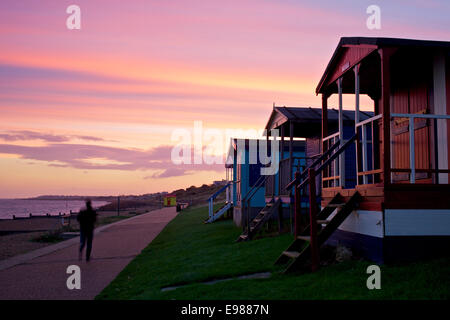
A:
(188, 252)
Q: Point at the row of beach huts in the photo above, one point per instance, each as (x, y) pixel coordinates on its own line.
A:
(375, 181)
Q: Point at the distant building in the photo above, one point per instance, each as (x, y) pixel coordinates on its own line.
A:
(170, 200)
(220, 182)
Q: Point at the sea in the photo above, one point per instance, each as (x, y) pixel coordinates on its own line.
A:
(23, 208)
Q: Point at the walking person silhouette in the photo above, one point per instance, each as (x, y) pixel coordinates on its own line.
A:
(86, 218)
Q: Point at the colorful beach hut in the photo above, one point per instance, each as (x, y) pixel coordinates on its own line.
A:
(170, 200)
(399, 206)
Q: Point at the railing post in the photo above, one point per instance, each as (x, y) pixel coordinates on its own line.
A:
(209, 208)
(356, 70)
(364, 152)
(281, 164)
(336, 165)
(212, 207)
(412, 156)
(436, 152)
(357, 150)
(297, 206)
(312, 220)
(341, 136)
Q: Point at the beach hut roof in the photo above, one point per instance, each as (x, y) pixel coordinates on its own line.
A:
(367, 45)
(308, 121)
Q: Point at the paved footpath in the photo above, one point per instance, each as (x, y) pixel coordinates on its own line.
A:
(41, 274)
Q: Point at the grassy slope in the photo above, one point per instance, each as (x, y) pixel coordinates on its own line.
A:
(188, 252)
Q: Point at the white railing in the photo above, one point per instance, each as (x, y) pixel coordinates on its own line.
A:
(229, 197)
(336, 177)
(365, 173)
(412, 159)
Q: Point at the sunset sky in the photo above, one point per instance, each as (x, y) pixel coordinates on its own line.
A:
(92, 111)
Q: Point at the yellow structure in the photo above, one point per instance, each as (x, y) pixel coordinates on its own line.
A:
(170, 200)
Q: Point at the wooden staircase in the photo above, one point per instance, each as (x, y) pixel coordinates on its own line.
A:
(262, 217)
(299, 252)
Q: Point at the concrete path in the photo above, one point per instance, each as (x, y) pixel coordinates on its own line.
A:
(41, 274)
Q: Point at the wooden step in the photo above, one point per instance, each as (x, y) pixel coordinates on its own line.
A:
(304, 238)
(243, 236)
(335, 205)
(323, 221)
(291, 254)
(259, 220)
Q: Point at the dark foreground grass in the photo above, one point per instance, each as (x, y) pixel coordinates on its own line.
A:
(188, 252)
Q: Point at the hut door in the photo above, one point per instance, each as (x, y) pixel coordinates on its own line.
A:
(413, 99)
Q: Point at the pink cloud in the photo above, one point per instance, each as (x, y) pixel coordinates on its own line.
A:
(81, 156)
(25, 135)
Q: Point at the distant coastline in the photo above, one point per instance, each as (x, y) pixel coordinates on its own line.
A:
(93, 198)
(69, 198)
(24, 208)
(53, 205)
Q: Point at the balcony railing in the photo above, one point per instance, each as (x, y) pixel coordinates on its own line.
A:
(439, 155)
(330, 175)
(367, 151)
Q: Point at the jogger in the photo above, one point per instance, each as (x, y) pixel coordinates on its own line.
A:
(87, 219)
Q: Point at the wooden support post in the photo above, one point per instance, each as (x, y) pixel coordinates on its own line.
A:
(324, 128)
(297, 206)
(267, 152)
(341, 136)
(291, 146)
(364, 152)
(376, 130)
(315, 260)
(324, 120)
(385, 55)
(280, 173)
(441, 106)
(436, 151)
(356, 70)
(291, 163)
(373, 148)
(412, 154)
